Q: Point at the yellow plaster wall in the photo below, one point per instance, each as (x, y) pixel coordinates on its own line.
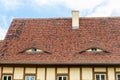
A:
(41, 74)
(18, 73)
(50, 74)
(7, 69)
(62, 70)
(111, 74)
(99, 69)
(30, 70)
(74, 73)
(87, 74)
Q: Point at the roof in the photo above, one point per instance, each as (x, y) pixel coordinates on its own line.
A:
(0, 43)
(56, 36)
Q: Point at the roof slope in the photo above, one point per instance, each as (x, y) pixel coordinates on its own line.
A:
(62, 42)
(0, 43)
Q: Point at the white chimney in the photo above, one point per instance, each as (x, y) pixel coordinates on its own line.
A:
(75, 19)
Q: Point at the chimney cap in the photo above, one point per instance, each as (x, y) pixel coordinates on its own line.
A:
(75, 10)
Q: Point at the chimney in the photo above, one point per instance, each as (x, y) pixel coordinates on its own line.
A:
(75, 19)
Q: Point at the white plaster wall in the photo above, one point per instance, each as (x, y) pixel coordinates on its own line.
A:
(0, 72)
(30, 70)
(18, 73)
(74, 73)
(87, 74)
(7, 69)
(41, 74)
(117, 69)
(62, 70)
(50, 74)
(111, 74)
(99, 69)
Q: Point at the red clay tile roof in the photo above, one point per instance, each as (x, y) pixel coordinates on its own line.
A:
(62, 42)
(0, 43)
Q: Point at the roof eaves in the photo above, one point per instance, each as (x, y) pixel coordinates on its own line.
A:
(59, 63)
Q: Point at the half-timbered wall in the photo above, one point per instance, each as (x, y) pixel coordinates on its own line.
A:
(51, 73)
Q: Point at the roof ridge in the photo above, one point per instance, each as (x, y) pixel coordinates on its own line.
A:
(41, 18)
(113, 17)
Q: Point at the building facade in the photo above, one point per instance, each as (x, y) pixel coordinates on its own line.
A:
(61, 49)
(60, 73)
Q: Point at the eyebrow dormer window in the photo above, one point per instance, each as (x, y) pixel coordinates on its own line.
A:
(35, 50)
(94, 50)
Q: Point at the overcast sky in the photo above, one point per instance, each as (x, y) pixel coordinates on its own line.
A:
(10, 9)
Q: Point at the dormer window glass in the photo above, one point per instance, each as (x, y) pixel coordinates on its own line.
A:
(94, 49)
(34, 49)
